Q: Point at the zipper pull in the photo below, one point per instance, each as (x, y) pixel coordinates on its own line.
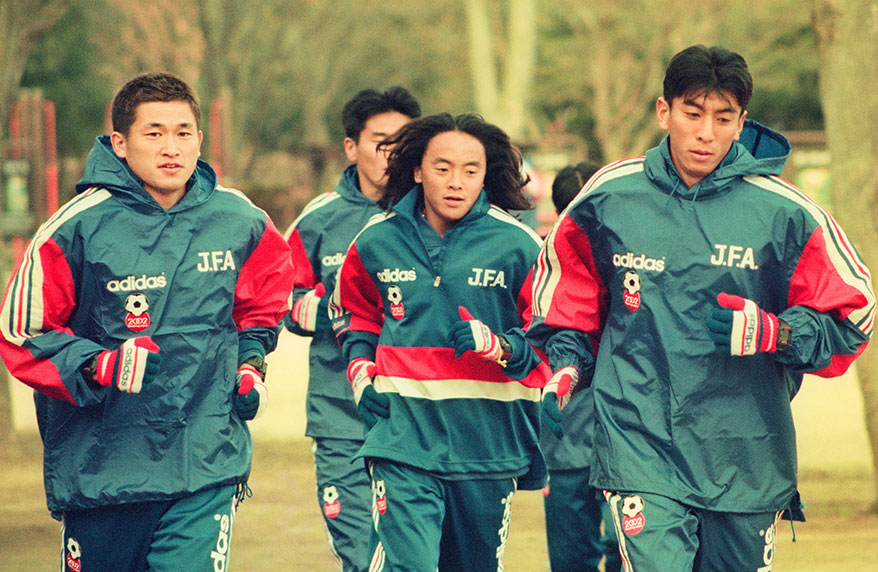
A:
(436, 282)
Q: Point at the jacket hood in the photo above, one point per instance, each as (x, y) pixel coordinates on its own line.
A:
(759, 151)
(104, 169)
(349, 186)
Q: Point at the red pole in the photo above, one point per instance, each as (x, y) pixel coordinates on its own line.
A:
(15, 130)
(51, 159)
(17, 248)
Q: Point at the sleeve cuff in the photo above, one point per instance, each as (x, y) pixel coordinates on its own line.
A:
(248, 348)
(361, 344)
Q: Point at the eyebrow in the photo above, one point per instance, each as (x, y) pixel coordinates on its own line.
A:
(155, 124)
(475, 163)
(694, 103)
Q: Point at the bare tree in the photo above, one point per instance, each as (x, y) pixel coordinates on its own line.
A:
(848, 50)
(622, 61)
(155, 36)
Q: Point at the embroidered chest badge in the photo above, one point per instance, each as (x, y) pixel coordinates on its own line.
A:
(394, 296)
(136, 306)
(631, 295)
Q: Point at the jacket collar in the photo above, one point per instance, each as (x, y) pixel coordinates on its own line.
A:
(349, 186)
(759, 151)
(104, 169)
(412, 205)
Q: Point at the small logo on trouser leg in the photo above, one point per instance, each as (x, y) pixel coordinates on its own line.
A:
(633, 520)
(770, 536)
(220, 554)
(74, 553)
(331, 504)
(504, 527)
(380, 496)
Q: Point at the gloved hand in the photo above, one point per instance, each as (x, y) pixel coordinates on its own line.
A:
(470, 334)
(741, 326)
(251, 400)
(136, 362)
(306, 311)
(556, 396)
(370, 403)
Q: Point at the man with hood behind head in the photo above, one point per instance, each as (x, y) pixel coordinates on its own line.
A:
(140, 313)
(318, 239)
(692, 288)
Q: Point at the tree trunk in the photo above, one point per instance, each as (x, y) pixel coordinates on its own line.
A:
(506, 105)
(483, 67)
(518, 76)
(847, 33)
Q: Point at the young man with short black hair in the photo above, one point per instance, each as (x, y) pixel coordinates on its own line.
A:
(692, 288)
(140, 313)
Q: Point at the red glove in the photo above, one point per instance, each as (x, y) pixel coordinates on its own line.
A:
(556, 396)
(306, 309)
(370, 404)
(742, 326)
(252, 398)
(472, 335)
(136, 362)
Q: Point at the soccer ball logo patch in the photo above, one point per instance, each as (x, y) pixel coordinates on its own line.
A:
(380, 496)
(74, 552)
(137, 318)
(633, 520)
(631, 295)
(394, 296)
(331, 505)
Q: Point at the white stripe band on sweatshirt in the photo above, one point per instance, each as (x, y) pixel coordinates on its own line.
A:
(22, 317)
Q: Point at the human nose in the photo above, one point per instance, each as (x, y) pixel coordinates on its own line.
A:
(170, 147)
(705, 129)
(456, 181)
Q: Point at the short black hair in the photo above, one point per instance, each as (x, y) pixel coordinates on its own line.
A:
(504, 176)
(370, 102)
(699, 70)
(147, 88)
(568, 182)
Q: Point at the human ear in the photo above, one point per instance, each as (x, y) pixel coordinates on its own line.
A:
(662, 110)
(118, 142)
(350, 149)
(741, 124)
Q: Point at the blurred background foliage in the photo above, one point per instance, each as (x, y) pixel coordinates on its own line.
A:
(561, 76)
(567, 79)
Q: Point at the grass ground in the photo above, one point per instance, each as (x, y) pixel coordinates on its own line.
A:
(280, 527)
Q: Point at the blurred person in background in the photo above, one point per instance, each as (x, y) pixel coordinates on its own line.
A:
(693, 288)
(318, 239)
(575, 512)
(140, 313)
(431, 305)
